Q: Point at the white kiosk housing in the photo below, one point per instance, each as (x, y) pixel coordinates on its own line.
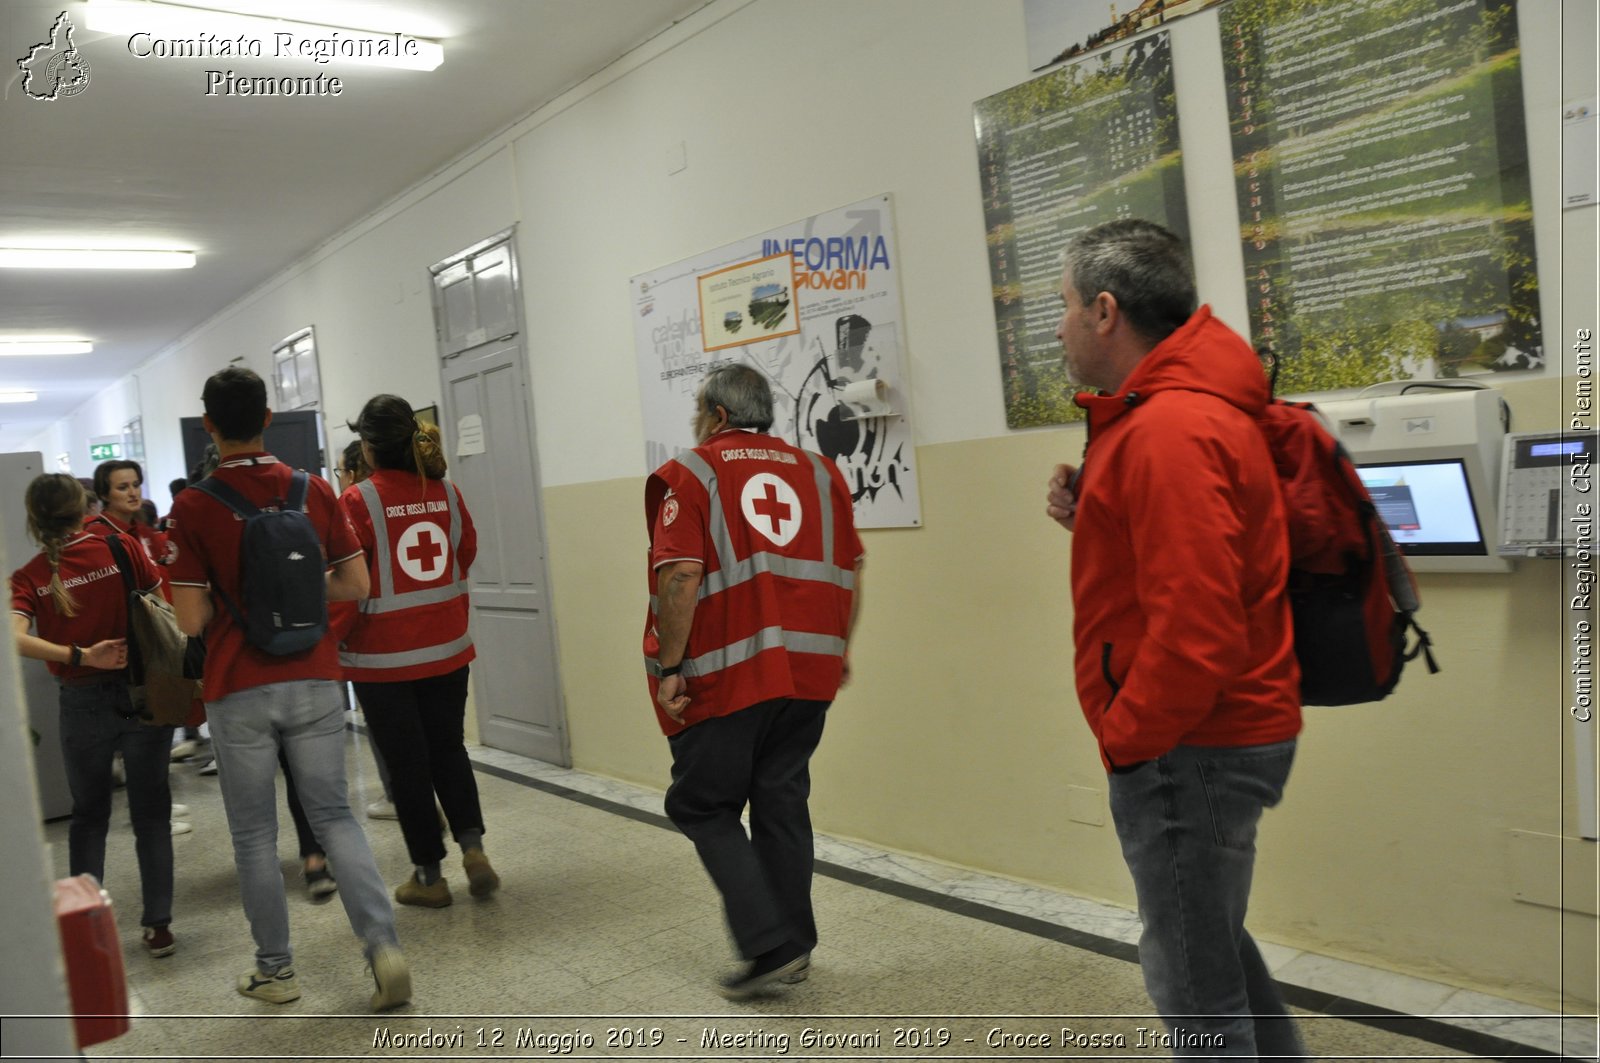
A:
(1430, 456)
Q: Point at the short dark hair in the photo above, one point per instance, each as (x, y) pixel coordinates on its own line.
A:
(174, 486)
(103, 471)
(1145, 266)
(236, 401)
(743, 392)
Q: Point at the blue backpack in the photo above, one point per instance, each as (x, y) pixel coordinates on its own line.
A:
(281, 582)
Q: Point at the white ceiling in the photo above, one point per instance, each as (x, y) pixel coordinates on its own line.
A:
(141, 157)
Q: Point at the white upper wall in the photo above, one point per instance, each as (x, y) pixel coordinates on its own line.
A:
(783, 111)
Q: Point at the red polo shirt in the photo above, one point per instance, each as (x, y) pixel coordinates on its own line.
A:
(89, 570)
(208, 536)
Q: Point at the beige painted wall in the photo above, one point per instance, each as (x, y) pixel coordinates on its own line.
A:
(961, 735)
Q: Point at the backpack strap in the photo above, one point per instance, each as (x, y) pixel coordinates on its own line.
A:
(231, 498)
(299, 484)
(245, 509)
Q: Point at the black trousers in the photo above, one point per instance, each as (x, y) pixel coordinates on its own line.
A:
(418, 726)
(759, 756)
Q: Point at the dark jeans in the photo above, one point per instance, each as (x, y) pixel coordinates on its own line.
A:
(1187, 823)
(93, 728)
(417, 725)
(760, 756)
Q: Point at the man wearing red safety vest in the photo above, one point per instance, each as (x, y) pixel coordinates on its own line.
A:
(756, 569)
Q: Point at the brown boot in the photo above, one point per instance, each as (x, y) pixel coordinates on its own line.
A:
(414, 892)
(481, 879)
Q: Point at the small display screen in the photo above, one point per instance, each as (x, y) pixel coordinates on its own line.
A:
(1538, 451)
(1427, 506)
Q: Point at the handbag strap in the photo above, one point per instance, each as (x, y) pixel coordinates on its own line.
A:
(125, 567)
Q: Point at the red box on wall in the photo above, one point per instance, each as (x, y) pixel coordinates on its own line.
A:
(96, 979)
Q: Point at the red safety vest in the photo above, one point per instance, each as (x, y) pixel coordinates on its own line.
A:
(777, 529)
(414, 622)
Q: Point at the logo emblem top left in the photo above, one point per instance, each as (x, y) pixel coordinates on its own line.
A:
(55, 69)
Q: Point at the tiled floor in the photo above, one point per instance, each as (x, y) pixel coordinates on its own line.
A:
(607, 929)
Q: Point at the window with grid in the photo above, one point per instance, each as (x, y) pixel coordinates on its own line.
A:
(295, 375)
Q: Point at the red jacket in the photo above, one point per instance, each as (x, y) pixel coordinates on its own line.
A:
(775, 529)
(1180, 556)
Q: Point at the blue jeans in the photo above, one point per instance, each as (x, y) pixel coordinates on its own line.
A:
(1187, 823)
(305, 718)
(96, 722)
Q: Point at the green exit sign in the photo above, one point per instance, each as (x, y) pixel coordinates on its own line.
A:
(105, 451)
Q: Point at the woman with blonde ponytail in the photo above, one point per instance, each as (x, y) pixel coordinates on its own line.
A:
(72, 594)
(409, 649)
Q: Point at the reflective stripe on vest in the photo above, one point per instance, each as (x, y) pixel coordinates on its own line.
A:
(731, 571)
(406, 658)
(380, 602)
(768, 638)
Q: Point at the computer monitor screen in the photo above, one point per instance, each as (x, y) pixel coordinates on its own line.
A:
(1427, 506)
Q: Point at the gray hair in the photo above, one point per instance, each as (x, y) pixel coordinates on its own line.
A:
(1144, 265)
(743, 392)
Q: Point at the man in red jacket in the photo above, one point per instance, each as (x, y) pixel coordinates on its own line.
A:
(1185, 651)
(755, 579)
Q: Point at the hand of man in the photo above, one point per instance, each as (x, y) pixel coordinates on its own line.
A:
(110, 654)
(1061, 503)
(673, 696)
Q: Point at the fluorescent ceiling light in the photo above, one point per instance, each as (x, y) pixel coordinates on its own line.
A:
(162, 30)
(19, 396)
(26, 345)
(89, 258)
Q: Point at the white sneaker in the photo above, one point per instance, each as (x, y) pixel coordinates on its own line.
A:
(209, 769)
(180, 827)
(180, 810)
(185, 749)
(382, 810)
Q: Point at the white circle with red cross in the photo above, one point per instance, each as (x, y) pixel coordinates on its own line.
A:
(423, 551)
(772, 507)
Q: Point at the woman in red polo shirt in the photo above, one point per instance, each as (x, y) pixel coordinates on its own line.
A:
(72, 594)
(409, 649)
(120, 486)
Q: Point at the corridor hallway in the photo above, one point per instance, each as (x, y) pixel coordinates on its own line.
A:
(606, 922)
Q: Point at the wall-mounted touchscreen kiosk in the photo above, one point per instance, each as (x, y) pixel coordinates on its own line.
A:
(1544, 476)
(1431, 460)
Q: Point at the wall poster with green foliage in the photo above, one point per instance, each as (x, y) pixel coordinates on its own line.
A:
(1092, 141)
(1381, 166)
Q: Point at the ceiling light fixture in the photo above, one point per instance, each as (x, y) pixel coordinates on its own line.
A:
(31, 345)
(92, 258)
(19, 396)
(163, 30)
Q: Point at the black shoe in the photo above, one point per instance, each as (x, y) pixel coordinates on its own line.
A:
(766, 971)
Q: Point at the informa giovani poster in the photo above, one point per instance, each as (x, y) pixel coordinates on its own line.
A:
(815, 306)
(1092, 141)
(1382, 173)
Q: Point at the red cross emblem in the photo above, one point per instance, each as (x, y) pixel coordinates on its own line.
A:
(772, 507)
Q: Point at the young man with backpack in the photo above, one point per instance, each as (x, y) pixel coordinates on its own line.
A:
(258, 559)
(1186, 667)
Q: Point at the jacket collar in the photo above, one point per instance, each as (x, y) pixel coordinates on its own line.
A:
(1203, 355)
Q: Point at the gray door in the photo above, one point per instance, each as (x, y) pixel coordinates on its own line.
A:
(488, 429)
(38, 688)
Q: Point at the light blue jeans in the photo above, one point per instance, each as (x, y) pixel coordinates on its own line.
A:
(1187, 823)
(306, 718)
